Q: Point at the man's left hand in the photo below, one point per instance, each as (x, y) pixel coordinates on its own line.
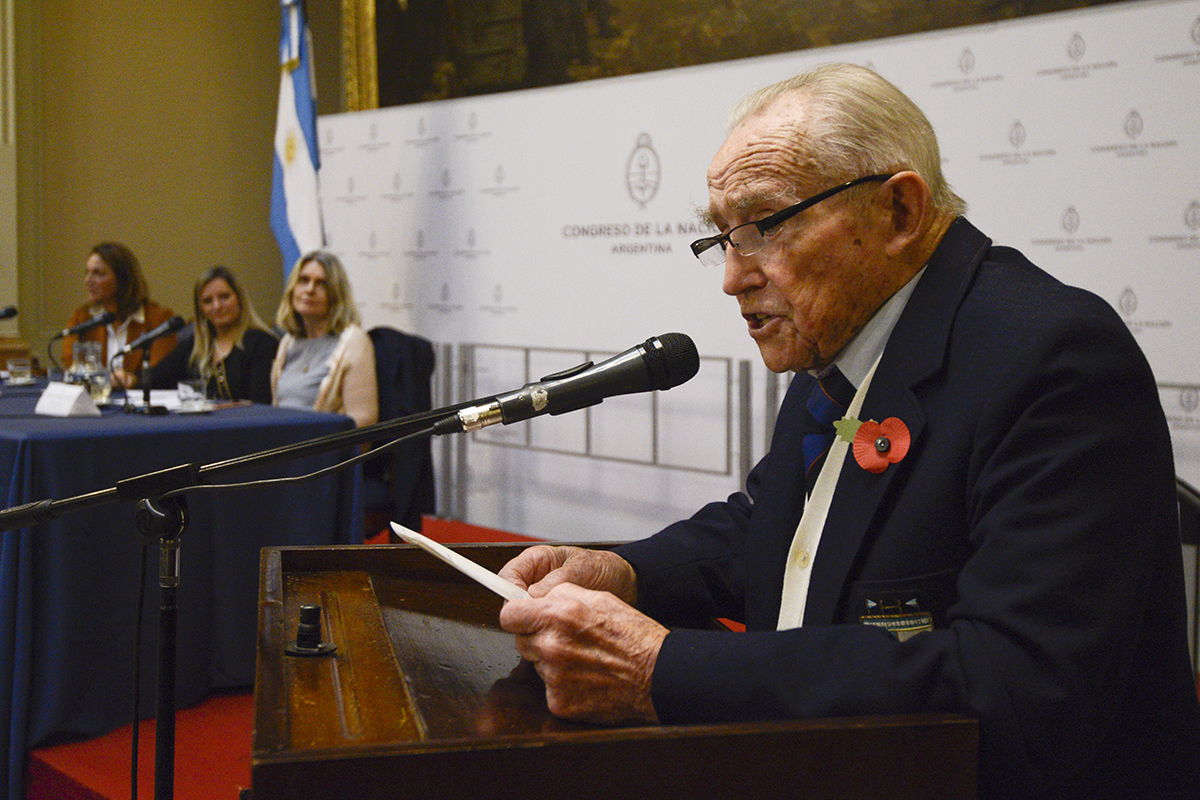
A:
(595, 653)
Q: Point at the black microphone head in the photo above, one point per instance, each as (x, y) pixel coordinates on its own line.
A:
(105, 318)
(175, 323)
(672, 359)
(8, 311)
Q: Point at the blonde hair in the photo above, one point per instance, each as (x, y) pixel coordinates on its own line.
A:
(857, 123)
(205, 334)
(343, 312)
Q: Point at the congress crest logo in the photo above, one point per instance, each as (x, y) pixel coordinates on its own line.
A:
(1134, 125)
(966, 62)
(1189, 398)
(1191, 216)
(1076, 47)
(1070, 220)
(643, 173)
(1016, 135)
(1128, 302)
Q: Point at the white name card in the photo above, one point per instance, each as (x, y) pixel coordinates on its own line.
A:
(66, 400)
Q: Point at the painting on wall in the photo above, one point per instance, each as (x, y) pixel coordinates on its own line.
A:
(438, 49)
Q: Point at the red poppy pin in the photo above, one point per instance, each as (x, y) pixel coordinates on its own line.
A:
(876, 444)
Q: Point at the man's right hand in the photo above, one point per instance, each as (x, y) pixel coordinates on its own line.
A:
(540, 568)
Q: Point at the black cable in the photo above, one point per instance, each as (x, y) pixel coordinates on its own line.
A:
(367, 456)
(1187, 494)
(50, 356)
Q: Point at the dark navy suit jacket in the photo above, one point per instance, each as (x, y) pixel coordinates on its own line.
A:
(1033, 520)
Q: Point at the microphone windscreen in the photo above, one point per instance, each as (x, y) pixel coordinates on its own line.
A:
(675, 361)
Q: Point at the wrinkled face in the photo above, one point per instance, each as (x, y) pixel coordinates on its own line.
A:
(99, 281)
(817, 282)
(219, 304)
(309, 297)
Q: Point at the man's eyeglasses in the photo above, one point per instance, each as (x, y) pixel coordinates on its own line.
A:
(748, 238)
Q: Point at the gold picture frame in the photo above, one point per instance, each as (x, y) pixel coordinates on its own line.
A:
(360, 71)
(440, 49)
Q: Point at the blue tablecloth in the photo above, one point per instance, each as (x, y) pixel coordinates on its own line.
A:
(68, 588)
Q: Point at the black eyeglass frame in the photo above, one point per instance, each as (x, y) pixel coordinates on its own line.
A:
(766, 223)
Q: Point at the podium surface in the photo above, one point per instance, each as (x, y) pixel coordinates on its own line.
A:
(426, 697)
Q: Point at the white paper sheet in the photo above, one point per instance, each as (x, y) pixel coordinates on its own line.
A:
(482, 575)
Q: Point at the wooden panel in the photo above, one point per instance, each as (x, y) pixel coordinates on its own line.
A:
(426, 697)
(12, 348)
(326, 706)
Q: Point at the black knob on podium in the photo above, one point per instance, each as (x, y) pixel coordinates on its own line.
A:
(308, 635)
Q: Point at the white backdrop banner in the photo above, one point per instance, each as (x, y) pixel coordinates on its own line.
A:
(534, 230)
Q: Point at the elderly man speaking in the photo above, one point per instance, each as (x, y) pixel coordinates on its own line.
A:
(968, 503)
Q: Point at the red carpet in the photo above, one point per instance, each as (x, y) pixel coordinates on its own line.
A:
(212, 758)
(212, 739)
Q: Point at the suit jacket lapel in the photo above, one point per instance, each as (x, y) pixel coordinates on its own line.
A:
(914, 352)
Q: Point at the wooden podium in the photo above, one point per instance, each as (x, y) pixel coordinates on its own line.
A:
(425, 697)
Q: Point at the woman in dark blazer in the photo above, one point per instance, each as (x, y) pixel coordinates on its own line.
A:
(230, 348)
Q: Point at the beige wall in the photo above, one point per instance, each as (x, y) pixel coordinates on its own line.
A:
(8, 166)
(149, 123)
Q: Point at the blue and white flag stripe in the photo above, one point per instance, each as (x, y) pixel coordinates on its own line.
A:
(295, 195)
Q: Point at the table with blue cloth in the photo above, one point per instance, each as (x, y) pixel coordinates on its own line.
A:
(69, 587)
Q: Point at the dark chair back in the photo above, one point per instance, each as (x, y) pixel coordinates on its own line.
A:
(404, 369)
(1189, 534)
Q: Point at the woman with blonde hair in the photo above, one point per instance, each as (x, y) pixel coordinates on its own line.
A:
(325, 360)
(231, 348)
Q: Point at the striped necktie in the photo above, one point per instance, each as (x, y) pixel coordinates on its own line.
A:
(831, 396)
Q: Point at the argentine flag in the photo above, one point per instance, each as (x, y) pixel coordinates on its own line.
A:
(295, 199)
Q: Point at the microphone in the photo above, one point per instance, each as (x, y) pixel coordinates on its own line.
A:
(85, 326)
(8, 312)
(170, 326)
(660, 362)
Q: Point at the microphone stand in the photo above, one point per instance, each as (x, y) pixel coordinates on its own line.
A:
(145, 407)
(162, 515)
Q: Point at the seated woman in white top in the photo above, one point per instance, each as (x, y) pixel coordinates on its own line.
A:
(325, 360)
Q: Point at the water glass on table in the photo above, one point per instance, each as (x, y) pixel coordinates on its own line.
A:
(20, 370)
(88, 369)
(192, 396)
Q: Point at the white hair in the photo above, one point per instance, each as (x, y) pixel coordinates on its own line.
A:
(857, 123)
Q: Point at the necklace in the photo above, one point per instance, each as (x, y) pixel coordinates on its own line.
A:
(223, 390)
(307, 356)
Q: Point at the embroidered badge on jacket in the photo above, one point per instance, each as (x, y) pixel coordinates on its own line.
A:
(902, 617)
